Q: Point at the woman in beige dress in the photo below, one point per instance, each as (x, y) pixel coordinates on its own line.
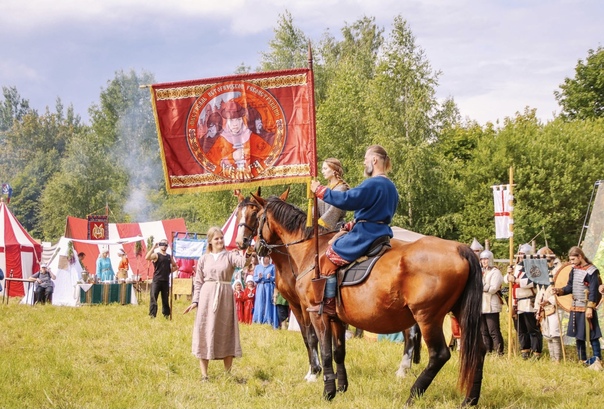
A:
(216, 330)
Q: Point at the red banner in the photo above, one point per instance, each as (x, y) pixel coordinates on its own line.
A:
(232, 132)
(98, 227)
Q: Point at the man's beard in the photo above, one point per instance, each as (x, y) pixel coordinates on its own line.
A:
(368, 170)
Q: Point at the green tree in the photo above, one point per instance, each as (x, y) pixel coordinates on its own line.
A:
(288, 49)
(349, 66)
(582, 97)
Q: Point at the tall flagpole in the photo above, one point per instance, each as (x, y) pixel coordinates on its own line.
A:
(511, 347)
(313, 159)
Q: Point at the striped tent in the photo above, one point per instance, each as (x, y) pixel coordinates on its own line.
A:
(122, 236)
(19, 252)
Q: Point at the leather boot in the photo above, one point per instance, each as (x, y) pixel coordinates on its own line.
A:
(318, 289)
(329, 306)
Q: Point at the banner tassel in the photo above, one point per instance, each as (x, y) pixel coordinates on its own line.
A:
(310, 210)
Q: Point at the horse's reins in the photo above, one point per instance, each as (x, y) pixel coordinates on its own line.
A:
(273, 247)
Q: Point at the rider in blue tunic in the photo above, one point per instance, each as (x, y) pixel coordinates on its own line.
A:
(374, 203)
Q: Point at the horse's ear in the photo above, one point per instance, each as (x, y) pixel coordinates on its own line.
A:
(284, 194)
(239, 195)
(258, 199)
(258, 191)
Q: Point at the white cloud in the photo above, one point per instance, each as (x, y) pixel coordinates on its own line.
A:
(495, 57)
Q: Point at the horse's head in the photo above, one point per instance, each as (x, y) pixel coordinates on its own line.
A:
(262, 228)
(247, 220)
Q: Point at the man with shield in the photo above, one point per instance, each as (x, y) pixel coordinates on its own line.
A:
(523, 295)
(583, 282)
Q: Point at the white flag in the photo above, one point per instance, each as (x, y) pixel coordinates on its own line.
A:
(503, 208)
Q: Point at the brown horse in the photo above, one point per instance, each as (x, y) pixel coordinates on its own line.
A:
(286, 284)
(417, 282)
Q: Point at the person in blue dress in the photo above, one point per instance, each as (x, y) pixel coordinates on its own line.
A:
(104, 270)
(265, 311)
(374, 203)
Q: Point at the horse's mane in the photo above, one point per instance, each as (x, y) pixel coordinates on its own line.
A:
(291, 217)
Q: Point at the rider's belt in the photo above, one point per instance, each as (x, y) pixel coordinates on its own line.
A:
(369, 221)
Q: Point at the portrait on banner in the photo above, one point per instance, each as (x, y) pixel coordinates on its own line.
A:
(236, 130)
(226, 133)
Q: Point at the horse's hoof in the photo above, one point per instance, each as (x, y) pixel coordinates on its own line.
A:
(329, 391)
(401, 373)
(311, 377)
(329, 395)
(342, 388)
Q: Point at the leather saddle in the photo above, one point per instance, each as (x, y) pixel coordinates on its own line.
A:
(357, 271)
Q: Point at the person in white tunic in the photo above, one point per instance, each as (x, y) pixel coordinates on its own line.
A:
(492, 281)
(216, 329)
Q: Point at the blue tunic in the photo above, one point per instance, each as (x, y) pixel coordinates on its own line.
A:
(375, 200)
(265, 312)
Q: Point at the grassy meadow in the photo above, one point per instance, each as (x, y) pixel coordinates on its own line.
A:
(117, 357)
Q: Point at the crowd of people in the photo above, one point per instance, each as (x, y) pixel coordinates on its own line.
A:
(235, 287)
(535, 310)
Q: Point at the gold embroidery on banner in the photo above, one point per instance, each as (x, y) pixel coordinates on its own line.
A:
(209, 178)
(194, 91)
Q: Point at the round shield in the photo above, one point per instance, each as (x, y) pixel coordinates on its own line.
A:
(560, 280)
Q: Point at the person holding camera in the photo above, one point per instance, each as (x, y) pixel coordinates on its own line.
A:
(164, 266)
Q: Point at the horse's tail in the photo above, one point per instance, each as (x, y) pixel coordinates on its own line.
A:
(468, 310)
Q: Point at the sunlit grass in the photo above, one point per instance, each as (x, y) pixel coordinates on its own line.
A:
(117, 357)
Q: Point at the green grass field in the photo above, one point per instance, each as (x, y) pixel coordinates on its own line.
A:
(117, 357)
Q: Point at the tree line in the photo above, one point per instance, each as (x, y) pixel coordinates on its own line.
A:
(372, 86)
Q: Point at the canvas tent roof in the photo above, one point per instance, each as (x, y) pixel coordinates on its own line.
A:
(124, 236)
(405, 235)
(19, 252)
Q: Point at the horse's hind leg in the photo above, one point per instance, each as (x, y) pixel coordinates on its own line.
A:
(438, 354)
(339, 356)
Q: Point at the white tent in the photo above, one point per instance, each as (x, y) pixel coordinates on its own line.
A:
(69, 272)
(405, 235)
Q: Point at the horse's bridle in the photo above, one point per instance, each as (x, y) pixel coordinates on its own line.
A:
(248, 239)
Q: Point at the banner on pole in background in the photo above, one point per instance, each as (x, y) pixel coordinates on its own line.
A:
(232, 132)
(503, 208)
(98, 227)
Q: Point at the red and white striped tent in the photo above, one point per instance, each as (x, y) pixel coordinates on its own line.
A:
(124, 236)
(19, 253)
(229, 230)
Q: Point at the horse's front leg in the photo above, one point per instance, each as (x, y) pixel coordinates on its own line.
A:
(406, 361)
(323, 330)
(339, 356)
(311, 342)
(312, 347)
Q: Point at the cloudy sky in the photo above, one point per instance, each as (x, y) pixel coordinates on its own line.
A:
(496, 57)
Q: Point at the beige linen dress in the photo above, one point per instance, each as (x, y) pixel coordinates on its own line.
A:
(216, 330)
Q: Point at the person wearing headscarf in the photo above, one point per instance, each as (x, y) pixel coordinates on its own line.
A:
(104, 270)
(249, 296)
(122, 268)
(265, 311)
